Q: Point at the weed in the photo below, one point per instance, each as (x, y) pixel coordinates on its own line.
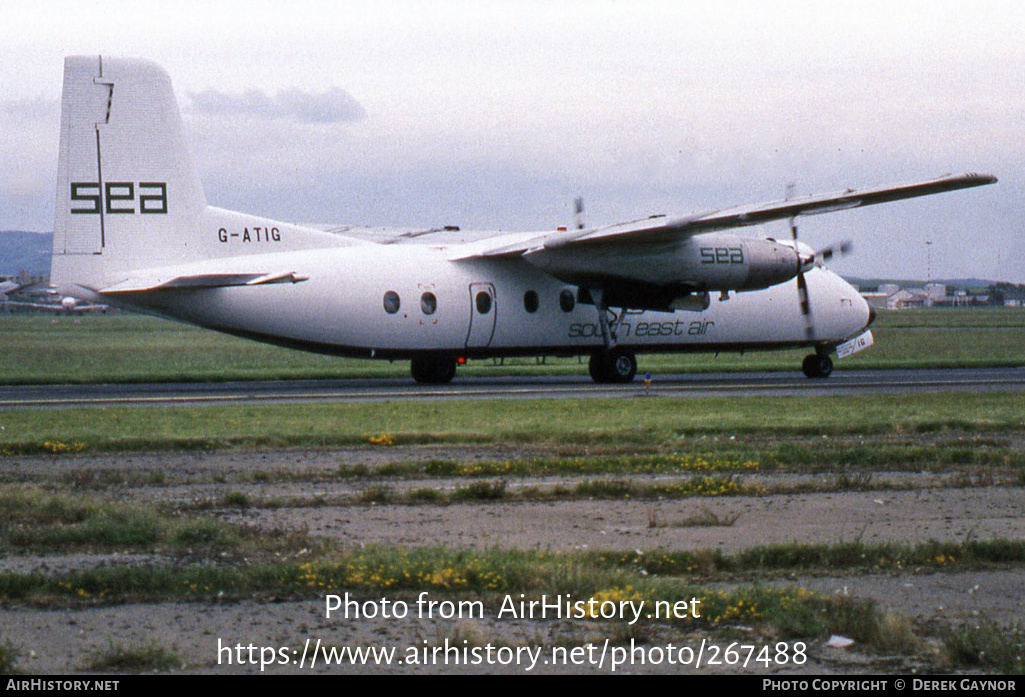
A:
(481, 491)
(8, 659)
(425, 495)
(376, 494)
(853, 480)
(988, 647)
(149, 657)
(236, 499)
(707, 518)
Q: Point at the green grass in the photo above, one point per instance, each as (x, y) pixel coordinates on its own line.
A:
(491, 575)
(749, 454)
(670, 463)
(851, 459)
(395, 569)
(948, 317)
(32, 519)
(822, 558)
(150, 657)
(987, 647)
(9, 656)
(648, 422)
(135, 348)
(481, 491)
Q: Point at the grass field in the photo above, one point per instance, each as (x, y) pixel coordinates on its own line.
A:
(641, 423)
(135, 348)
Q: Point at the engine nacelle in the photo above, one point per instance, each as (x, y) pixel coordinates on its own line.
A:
(709, 262)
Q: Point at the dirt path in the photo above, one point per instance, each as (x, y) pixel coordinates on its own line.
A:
(875, 516)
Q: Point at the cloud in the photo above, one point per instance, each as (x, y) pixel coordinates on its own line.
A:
(333, 106)
(30, 109)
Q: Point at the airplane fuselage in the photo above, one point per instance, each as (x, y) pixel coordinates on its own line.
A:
(399, 301)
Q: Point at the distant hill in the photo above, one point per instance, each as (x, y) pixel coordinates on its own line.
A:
(28, 251)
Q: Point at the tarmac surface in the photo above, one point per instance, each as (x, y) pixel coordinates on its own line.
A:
(786, 383)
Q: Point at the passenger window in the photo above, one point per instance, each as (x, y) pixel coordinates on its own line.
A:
(391, 302)
(483, 303)
(428, 303)
(566, 301)
(530, 301)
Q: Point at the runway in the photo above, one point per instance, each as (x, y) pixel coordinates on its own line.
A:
(789, 383)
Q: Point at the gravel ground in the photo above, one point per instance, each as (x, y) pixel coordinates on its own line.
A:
(874, 516)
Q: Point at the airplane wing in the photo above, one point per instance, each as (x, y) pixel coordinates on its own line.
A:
(661, 228)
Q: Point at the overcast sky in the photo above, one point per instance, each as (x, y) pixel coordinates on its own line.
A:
(496, 115)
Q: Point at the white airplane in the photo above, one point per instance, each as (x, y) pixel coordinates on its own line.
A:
(133, 229)
(10, 288)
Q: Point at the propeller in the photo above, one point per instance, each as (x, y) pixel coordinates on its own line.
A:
(827, 253)
(803, 261)
(806, 261)
(578, 212)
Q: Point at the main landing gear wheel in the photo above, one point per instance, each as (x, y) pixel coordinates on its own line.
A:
(617, 365)
(817, 366)
(433, 370)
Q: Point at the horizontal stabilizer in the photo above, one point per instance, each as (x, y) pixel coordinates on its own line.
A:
(206, 280)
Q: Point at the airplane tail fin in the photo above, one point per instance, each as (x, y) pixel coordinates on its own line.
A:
(129, 196)
(126, 183)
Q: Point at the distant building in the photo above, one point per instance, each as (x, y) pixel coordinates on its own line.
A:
(877, 300)
(904, 299)
(890, 296)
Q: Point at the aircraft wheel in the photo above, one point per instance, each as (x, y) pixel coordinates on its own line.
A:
(622, 366)
(617, 365)
(433, 370)
(817, 366)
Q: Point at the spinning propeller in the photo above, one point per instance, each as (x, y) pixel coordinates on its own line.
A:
(806, 260)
